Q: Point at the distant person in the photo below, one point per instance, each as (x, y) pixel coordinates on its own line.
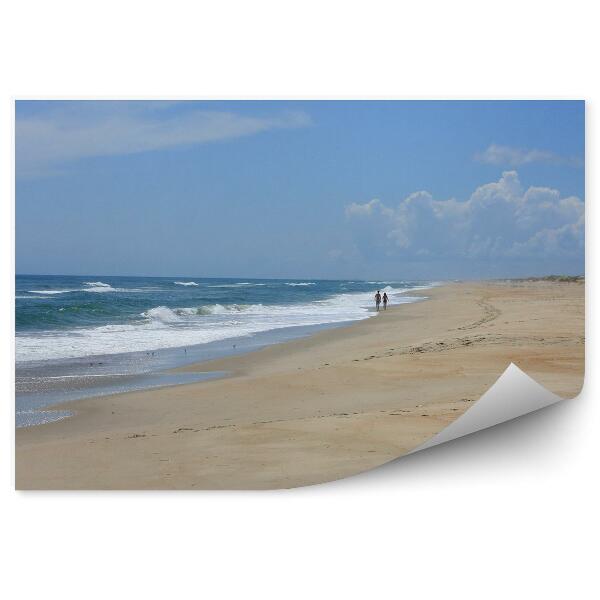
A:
(385, 301)
(377, 300)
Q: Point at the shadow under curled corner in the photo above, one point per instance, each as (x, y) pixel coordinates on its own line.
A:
(514, 394)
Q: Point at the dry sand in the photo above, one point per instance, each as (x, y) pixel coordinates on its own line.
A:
(317, 409)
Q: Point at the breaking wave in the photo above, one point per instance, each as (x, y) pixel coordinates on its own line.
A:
(99, 287)
(168, 326)
(165, 314)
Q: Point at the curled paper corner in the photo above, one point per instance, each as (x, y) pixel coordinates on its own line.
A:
(513, 394)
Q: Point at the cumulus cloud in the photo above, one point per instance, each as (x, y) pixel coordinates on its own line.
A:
(47, 139)
(500, 220)
(516, 157)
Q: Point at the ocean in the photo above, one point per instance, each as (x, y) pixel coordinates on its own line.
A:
(95, 335)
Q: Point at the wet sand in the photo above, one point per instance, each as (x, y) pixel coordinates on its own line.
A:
(320, 408)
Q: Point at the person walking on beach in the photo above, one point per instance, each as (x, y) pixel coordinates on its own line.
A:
(385, 300)
(377, 300)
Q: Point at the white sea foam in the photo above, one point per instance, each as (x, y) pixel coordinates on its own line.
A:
(25, 418)
(100, 287)
(96, 287)
(50, 292)
(186, 283)
(164, 327)
(102, 290)
(301, 283)
(237, 285)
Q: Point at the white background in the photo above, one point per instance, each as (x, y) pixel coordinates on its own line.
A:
(507, 513)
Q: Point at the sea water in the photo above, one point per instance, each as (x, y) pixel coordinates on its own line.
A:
(82, 336)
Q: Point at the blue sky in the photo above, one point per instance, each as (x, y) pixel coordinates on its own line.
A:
(300, 188)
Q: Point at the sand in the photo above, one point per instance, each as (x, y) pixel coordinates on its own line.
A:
(320, 408)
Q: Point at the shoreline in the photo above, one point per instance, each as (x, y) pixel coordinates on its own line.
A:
(101, 385)
(138, 371)
(318, 408)
(81, 320)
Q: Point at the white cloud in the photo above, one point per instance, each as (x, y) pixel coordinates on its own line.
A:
(516, 157)
(499, 220)
(45, 141)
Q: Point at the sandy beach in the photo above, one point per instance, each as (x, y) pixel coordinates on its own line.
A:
(320, 408)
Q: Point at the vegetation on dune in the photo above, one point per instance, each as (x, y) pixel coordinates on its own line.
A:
(559, 278)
